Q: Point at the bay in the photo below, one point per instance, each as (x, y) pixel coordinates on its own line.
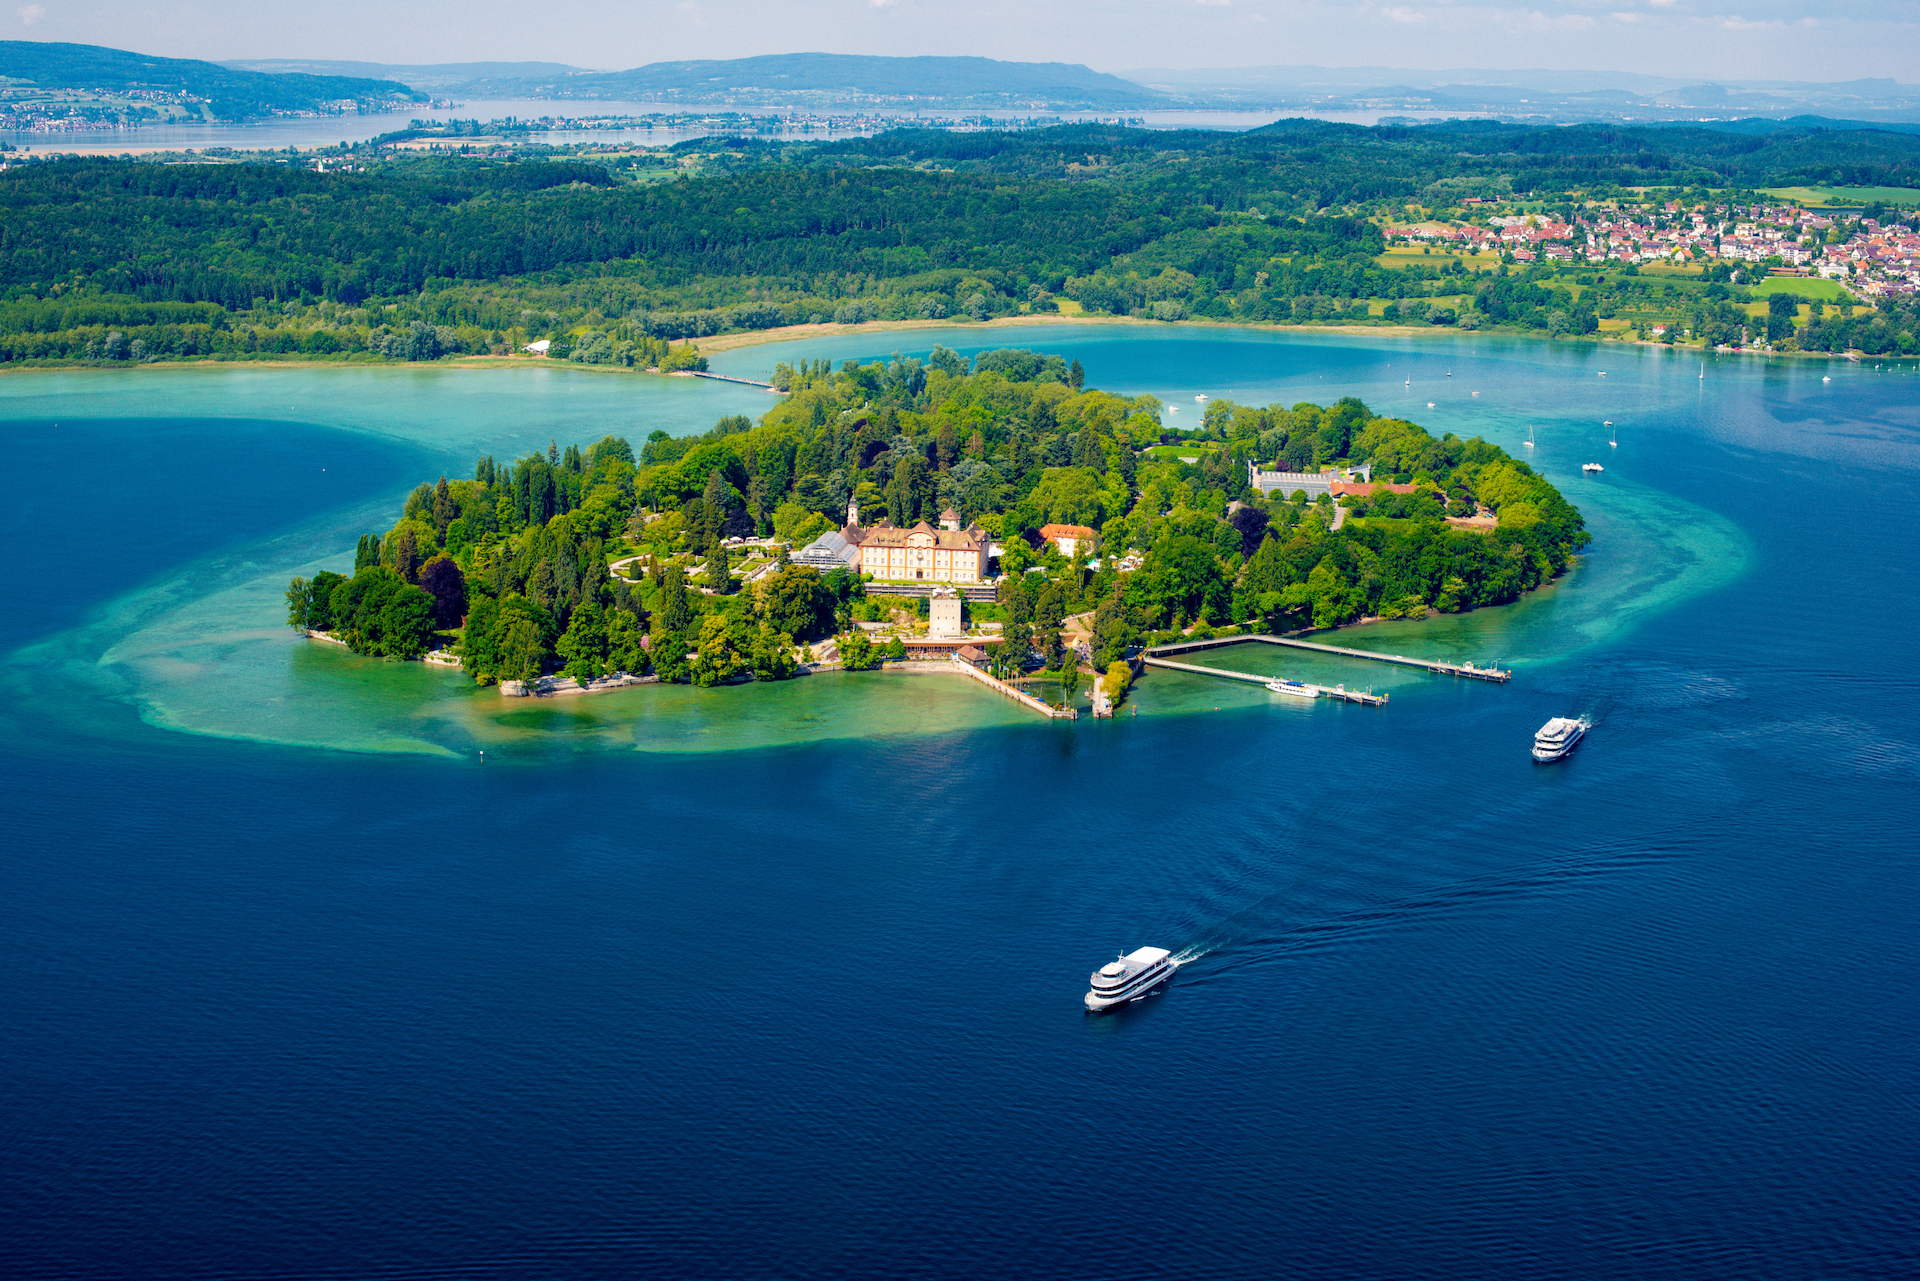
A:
(785, 981)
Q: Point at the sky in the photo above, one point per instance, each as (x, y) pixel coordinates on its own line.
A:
(1704, 39)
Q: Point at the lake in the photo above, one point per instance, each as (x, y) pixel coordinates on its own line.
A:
(786, 981)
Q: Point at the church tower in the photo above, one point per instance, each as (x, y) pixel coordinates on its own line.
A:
(853, 511)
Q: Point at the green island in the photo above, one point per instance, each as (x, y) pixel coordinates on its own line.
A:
(620, 255)
(712, 558)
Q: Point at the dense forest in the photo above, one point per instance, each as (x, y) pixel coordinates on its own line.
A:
(1013, 440)
(612, 257)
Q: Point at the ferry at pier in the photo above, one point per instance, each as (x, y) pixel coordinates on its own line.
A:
(1298, 689)
(1129, 978)
(1558, 737)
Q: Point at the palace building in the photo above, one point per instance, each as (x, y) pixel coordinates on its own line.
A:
(924, 554)
(949, 554)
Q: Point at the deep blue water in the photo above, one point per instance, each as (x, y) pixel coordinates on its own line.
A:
(271, 1012)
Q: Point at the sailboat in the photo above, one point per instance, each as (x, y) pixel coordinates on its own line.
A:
(1529, 435)
(1613, 440)
(1703, 369)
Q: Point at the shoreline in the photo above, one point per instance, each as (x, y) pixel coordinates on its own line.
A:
(828, 329)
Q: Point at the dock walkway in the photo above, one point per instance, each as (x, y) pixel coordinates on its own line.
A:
(1468, 670)
(729, 378)
(1340, 692)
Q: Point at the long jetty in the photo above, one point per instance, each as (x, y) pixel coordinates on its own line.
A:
(1340, 692)
(729, 378)
(1468, 670)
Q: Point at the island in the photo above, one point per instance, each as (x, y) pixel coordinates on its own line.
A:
(1058, 525)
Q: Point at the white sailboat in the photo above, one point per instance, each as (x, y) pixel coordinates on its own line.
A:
(1613, 440)
(1529, 435)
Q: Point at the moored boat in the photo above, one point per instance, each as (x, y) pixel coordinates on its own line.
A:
(1299, 689)
(1558, 737)
(1130, 977)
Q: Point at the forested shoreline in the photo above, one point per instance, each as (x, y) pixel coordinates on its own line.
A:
(611, 260)
(513, 567)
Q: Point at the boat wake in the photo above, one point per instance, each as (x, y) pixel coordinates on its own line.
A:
(1184, 955)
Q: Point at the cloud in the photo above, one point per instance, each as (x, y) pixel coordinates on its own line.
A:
(881, 4)
(1214, 4)
(1663, 4)
(1628, 18)
(30, 14)
(1404, 16)
(1534, 20)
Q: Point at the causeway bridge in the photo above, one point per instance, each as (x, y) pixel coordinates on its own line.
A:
(729, 378)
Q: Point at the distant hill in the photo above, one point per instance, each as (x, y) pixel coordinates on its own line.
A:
(816, 77)
(441, 77)
(232, 94)
(1534, 95)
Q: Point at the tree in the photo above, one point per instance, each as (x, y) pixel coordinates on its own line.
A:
(1016, 638)
(1076, 376)
(441, 579)
(320, 610)
(299, 604)
(856, 652)
(896, 649)
(523, 651)
(723, 651)
(406, 623)
(719, 569)
(792, 600)
(773, 658)
(406, 554)
(1113, 628)
(444, 508)
(672, 611)
(584, 645)
(626, 645)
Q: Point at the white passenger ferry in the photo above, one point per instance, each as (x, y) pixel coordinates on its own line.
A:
(1298, 689)
(1558, 737)
(1129, 978)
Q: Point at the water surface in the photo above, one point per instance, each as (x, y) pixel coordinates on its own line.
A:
(784, 981)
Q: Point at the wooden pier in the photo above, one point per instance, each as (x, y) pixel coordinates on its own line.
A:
(1340, 692)
(1468, 670)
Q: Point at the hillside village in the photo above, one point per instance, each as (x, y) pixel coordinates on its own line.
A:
(1869, 257)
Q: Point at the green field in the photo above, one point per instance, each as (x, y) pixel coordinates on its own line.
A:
(1846, 197)
(1803, 287)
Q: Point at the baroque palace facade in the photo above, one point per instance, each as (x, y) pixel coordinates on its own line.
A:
(949, 554)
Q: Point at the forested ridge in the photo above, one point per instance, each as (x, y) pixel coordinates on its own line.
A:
(1012, 440)
(230, 94)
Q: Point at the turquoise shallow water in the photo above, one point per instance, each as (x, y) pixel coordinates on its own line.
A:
(785, 981)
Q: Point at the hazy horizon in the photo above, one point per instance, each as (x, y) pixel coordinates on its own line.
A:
(1692, 39)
